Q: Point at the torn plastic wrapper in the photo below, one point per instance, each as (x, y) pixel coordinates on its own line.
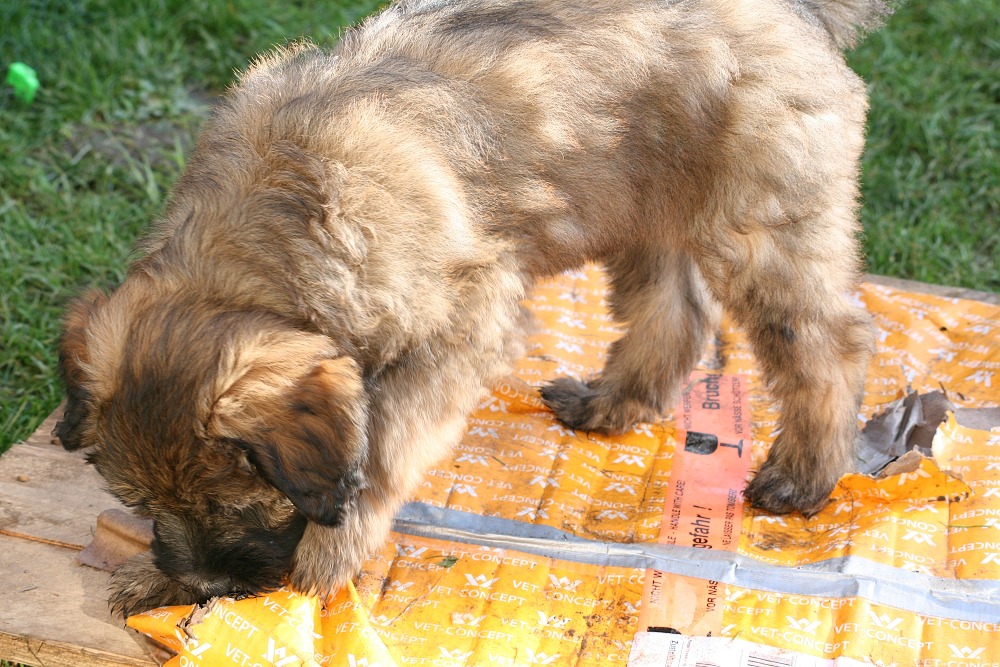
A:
(900, 427)
(909, 424)
(282, 628)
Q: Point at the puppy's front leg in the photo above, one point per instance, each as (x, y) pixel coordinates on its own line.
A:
(659, 294)
(327, 557)
(418, 405)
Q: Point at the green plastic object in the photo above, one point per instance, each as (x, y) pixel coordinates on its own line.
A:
(24, 80)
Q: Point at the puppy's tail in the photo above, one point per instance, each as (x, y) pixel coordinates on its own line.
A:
(846, 20)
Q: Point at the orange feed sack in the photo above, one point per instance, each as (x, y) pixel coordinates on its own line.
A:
(537, 545)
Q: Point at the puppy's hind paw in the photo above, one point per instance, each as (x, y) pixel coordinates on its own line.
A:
(781, 493)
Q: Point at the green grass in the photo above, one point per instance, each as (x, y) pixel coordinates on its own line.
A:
(932, 166)
(125, 84)
(124, 87)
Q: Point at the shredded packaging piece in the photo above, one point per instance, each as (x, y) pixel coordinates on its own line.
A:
(666, 650)
(538, 545)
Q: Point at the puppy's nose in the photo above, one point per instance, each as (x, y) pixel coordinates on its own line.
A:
(210, 588)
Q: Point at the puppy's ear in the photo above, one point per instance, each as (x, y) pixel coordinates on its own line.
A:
(309, 442)
(73, 356)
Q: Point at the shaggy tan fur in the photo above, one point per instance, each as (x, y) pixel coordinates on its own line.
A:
(337, 278)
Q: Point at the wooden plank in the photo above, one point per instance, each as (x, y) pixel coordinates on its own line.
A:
(51, 494)
(55, 610)
(936, 290)
(58, 654)
(42, 436)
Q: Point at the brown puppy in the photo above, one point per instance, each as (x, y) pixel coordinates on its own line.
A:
(337, 277)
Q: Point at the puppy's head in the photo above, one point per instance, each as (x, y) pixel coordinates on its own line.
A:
(230, 428)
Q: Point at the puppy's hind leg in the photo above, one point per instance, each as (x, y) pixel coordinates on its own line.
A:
(814, 347)
(659, 295)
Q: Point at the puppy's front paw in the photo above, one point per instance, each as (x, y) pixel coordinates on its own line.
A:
(585, 407)
(314, 578)
(780, 492)
(327, 558)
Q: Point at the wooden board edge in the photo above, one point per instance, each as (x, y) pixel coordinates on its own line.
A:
(42, 436)
(934, 290)
(47, 653)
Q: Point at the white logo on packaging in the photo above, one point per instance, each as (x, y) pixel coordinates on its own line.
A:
(928, 507)
(196, 648)
(494, 404)
(917, 537)
(479, 580)
(472, 458)
(642, 429)
(773, 519)
(409, 551)
(966, 652)
(884, 621)
(571, 322)
(540, 658)
(629, 459)
(984, 378)
(573, 348)
(847, 506)
(279, 657)
(554, 454)
(455, 654)
(944, 355)
(803, 624)
(400, 585)
(466, 619)
(565, 583)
